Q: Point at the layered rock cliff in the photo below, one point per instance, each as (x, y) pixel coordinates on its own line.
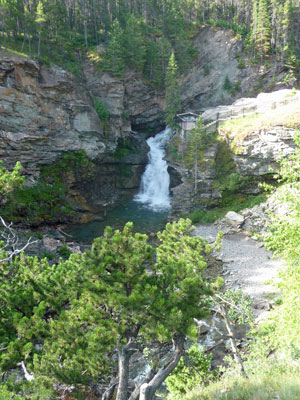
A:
(253, 134)
(46, 112)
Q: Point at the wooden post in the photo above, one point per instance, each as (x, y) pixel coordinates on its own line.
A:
(217, 122)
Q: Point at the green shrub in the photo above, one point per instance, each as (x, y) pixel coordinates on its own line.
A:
(193, 369)
(124, 147)
(45, 202)
(9, 181)
(241, 63)
(227, 84)
(207, 69)
(64, 251)
(102, 111)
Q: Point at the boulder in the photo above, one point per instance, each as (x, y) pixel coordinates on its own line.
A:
(234, 219)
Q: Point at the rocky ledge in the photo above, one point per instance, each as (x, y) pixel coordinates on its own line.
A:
(252, 135)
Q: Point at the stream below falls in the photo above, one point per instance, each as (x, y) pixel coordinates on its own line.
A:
(148, 209)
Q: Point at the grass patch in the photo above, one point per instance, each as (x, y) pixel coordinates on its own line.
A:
(287, 116)
(64, 53)
(263, 386)
(8, 51)
(237, 203)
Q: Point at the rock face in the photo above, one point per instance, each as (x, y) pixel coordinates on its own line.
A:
(45, 112)
(219, 55)
(260, 150)
(256, 152)
(252, 153)
(132, 105)
(197, 186)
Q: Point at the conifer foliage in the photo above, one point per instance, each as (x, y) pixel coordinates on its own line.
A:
(66, 321)
(9, 180)
(172, 92)
(141, 34)
(262, 31)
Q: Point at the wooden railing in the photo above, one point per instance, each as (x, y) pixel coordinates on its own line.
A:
(240, 112)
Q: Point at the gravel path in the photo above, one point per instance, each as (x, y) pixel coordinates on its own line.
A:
(247, 265)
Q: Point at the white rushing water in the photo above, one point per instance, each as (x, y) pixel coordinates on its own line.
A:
(154, 191)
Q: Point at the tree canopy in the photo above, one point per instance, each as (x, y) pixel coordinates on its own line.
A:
(65, 321)
(142, 34)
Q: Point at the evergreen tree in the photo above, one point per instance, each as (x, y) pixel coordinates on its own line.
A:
(114, 58)
(184, 52)
(164, 52)
(172, 92)
(134, 47)
(197, 141)
(9, 181)
(152, 68)
(39, 20)
(263, 28)
(112, 299)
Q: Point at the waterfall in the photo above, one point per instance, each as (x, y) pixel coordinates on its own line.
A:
(154, 190)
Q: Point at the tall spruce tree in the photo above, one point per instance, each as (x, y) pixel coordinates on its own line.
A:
(172, 92)
(197, 141)
(263, 28)
(134, 46)
(114, 58)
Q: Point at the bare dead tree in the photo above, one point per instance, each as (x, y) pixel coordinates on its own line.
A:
(10, 243)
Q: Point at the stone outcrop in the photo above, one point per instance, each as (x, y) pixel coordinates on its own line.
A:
(132, 105)
(256, 152)
(43, 113)
(196, 189)
(253, 154)
(220, 55)
(46, 112)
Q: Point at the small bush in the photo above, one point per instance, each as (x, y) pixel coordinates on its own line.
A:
(227, 84)
(64, 251)
(102, 111)
(207, 69)
(193, 369)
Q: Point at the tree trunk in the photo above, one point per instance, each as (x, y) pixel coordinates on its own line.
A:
(196, 169)
(234, 348)
(124, 354)
(124, 357)
(85, 34)
(135, 394)
(148, 389)
(39, 47)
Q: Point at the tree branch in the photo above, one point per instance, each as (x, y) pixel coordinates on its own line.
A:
(11, 241)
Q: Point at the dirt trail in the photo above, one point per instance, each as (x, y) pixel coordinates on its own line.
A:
(247, 265)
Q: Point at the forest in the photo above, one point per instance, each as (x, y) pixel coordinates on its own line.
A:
(64, 31)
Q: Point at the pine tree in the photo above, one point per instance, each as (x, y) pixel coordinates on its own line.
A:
(121, 294)
(263, 28)
(114, 58)
(9, 181)
(39, 20)
(184, 52)
(196, 142)
(152, 68)
(134, 47)
(172, 92)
